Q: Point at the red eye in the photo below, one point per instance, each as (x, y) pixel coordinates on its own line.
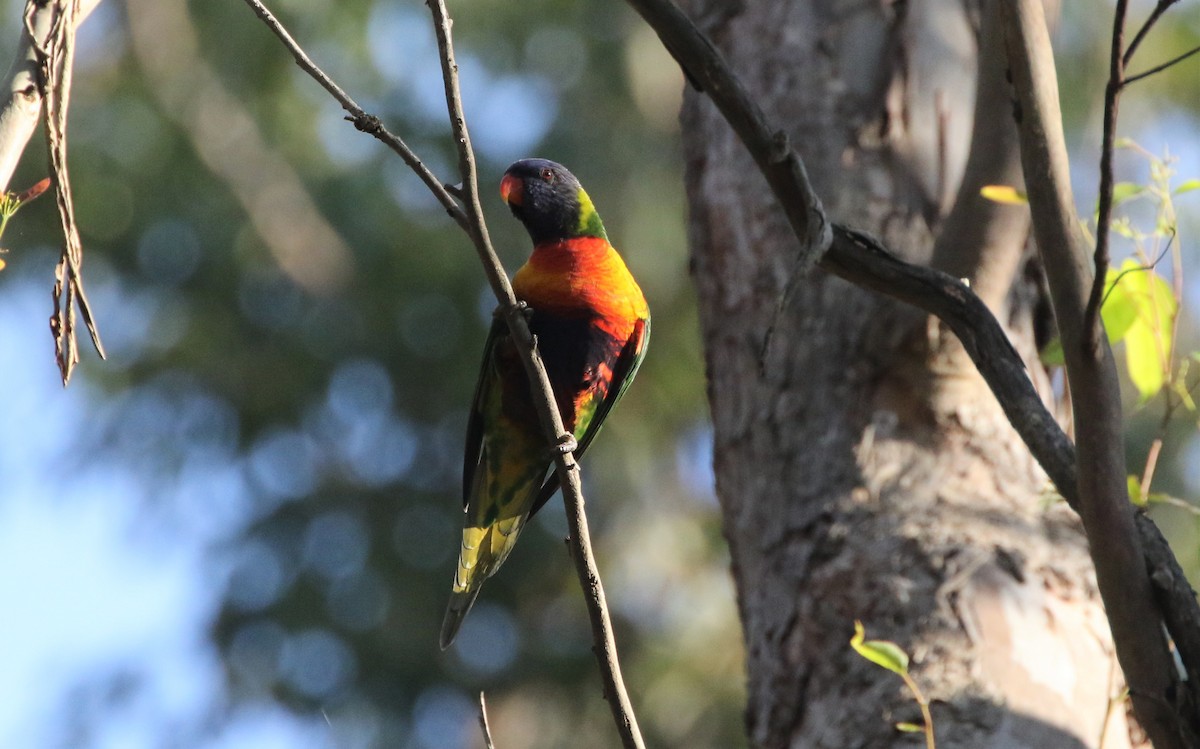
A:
(548, 174)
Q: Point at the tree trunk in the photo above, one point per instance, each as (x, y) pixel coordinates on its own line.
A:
(864, 470)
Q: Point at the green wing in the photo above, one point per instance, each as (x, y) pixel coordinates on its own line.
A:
(474, 452)
(628, 361)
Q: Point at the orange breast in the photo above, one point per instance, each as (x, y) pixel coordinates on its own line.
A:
(582, 276)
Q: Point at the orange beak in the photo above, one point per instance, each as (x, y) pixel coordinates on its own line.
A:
(512, 190)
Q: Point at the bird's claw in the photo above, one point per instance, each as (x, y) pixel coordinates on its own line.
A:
(566, 444)
(524, 309)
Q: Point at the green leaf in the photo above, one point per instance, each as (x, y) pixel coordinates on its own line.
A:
(1123, 191)
(1004, 194)
(1138, 303)
(1143, 359)
(1134, 486)
(1120, 310)
(906, 727)
(1190, 185)
(880, 652)
(1148, 338)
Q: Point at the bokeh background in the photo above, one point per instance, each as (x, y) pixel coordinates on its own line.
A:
(239, 530)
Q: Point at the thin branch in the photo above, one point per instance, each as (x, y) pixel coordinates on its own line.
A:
(605, 644)
(1160, 68)
(1110, 287)
(476, 226)
(472, 221)
(367, 123)
(1112, 95)
(864, 261)
(483, 723)
(1159, 8)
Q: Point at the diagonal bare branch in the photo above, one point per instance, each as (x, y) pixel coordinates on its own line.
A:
(1161, 67)
(363, 121)
(1159, 8)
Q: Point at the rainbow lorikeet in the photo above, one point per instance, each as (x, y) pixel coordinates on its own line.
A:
(591, 323)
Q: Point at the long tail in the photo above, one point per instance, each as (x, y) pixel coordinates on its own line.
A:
(483, 551)
(456, 611)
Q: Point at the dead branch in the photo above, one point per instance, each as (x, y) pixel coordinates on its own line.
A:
(55, 58)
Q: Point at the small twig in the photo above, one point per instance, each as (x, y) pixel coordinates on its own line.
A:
(483, 723)
(942, 117)
(1112, 93)
(468, 191)
(1136, 269)
(367, 123)
(1160, 68)
(1160, 8)
(1151, 464)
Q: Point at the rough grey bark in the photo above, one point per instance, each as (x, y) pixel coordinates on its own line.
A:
(866, 472)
